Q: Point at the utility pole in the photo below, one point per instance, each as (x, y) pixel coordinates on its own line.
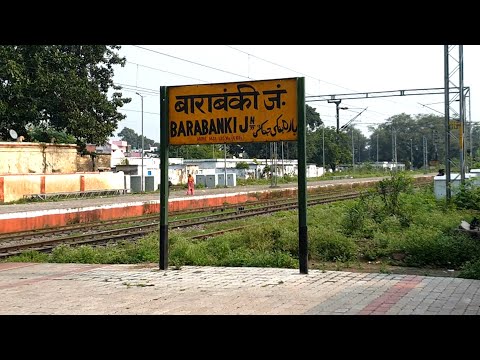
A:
(446, 73)
(393, 148)
(353, 154)
(462, 115)
(471, 129)
(323, 148)
(395, 142)
(283, 166)
(449, 72)
(225, 162)
(425, 154)
(275, 161)
(411, 153)
(434, 142)
(270, 145)
(141, 182)
(337, 103)
(359, 149)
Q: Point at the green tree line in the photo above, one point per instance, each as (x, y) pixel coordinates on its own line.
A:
(60, 88)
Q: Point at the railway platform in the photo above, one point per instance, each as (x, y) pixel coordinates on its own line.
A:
(143, 289)
(37, 215)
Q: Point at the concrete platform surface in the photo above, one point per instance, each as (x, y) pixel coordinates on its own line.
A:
(47, 289)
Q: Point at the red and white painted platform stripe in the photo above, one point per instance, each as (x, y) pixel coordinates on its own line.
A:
(39, 219)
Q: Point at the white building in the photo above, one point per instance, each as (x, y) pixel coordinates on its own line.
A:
(257, 168)
(179, 169)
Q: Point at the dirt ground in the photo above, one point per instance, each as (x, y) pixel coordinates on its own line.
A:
(379, 267)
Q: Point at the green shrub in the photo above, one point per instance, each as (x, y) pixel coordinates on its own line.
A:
(391, 224)
(332, 246)
(354, 219)
(471, 270)
(219, 247)
(29, 256)
(242, 165)
(390, 190)
(249, 257)
(83, 254)
(39, 134)
(260, 238)
(184, 252)
(375, 248)
(467, 196)
(144, 250)
(288, 242)
(431, 247)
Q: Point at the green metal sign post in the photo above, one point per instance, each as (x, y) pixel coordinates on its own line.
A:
(302, 179)
(163, 178)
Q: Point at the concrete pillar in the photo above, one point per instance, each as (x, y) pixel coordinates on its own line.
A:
(42, 184)
(2, 193)
(82, 183)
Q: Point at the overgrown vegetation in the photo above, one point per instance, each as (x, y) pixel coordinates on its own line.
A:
(48, 135)
(468, 195)
(242, 165)
(392, 224)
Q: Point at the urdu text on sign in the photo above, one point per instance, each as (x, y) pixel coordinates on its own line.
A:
(255, 111)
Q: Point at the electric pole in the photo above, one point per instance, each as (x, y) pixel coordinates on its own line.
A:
(337, 103)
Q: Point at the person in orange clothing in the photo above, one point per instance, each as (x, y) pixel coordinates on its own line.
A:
(191, 184)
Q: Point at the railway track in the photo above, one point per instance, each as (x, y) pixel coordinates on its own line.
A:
(132, 229)
(47, 239)
(123, 222)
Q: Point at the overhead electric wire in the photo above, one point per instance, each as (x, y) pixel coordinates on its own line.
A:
(165, 71)
(428, 107)
(199, 64)
(134, 88)
(189, 61)
(145, 112)
(298, 72)
(295, 71)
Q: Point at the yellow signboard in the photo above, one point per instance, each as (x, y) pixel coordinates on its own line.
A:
(254, 111)
(454, 124)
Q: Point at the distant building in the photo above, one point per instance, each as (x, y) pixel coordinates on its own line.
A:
(257, 168)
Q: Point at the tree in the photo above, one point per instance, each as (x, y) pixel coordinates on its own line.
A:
(312, 118)
(410, 132)
(336, 147)
(207, 151)
(135, 140)
(60, 87)
(131, 137)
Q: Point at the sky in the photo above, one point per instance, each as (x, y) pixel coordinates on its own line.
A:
(328, 70)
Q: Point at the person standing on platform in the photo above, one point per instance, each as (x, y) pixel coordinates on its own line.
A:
(191, 184)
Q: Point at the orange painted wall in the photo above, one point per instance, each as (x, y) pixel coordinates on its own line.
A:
(104, 180)
(15, 186)
(62, 183)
